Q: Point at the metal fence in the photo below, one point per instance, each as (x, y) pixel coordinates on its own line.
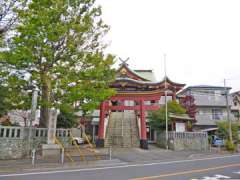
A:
(70, 155)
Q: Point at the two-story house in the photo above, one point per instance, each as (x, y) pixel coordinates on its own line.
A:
(235, 108)
(211, 104)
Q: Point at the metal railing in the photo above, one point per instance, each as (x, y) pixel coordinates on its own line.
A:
(68, 156)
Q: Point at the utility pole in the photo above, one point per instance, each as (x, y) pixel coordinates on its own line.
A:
(33, 114)
(228, 113)
(34, 105)
(166, 107)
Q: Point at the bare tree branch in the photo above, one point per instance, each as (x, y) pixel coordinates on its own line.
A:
(7, 15)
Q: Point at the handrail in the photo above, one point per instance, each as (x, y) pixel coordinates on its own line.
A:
(78, 148)
(91, 146)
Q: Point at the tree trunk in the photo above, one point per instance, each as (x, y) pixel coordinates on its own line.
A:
(46, 100)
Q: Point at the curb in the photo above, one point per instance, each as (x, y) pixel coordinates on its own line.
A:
(191, 156)
(51, 167)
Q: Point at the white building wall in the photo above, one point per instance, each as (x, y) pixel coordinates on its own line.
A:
(204, 116)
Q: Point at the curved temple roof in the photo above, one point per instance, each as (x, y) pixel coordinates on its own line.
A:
(148, 82)
(128, 78)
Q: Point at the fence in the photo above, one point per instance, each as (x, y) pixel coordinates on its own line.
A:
(184, 140)
(17, 142)
(22, 132)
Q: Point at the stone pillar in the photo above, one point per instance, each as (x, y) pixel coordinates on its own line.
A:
(52, 125)
(100, 140)
(143, 137)
(51, 148)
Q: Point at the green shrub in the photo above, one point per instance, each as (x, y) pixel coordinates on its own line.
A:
(223, 130)
(66, 118)
(158, 117)
(230, 146)
(210, 139)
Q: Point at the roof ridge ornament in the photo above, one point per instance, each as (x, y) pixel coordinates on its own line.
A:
(124, 62)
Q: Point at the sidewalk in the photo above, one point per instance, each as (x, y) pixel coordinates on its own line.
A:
(137, 155)
(120, 156)
(21, 166)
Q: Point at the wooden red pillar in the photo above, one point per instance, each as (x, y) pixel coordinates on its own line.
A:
(143, 138)
(100, 140)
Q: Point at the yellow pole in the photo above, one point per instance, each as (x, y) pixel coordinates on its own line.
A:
(78, 148)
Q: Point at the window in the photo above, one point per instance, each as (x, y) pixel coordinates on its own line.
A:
(217, 114)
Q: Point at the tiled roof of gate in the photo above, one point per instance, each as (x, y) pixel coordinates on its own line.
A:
(146, 74)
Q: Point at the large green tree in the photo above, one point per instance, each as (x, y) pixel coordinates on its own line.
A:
(58, 46)
(4, 106)
(7, 15)
(158, 117)
(66, 119)
(8, 85)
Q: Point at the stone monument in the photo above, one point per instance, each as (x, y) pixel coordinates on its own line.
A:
(51, 148)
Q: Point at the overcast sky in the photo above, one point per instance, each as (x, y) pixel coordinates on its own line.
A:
(201, 38)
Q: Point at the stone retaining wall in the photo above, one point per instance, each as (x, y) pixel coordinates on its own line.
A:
(196, 141)
(15, 142)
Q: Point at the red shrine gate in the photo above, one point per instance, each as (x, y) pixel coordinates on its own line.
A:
(132, 87)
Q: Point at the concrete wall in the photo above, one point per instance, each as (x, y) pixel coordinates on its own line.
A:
(184, 141)
(15, 142)
(12, 148)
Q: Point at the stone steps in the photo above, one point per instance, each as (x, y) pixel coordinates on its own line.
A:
(122, 130)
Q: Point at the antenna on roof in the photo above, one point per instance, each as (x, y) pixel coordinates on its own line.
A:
(124, 61)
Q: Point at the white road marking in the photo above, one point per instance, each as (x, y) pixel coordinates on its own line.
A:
(222, 176)
(209, 178)
(114, 167)
(238, 172)
(215, 177)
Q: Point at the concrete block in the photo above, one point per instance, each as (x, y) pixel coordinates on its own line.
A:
(50, 150)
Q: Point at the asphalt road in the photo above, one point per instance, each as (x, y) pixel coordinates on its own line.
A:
(225, 167)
